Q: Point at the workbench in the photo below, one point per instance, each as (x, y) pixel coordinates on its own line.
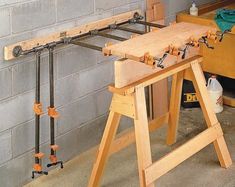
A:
(221, 60)
(156, 51)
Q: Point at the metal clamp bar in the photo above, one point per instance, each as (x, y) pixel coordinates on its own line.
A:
(130, 30)
(90, 46)
(97, 33)
(150, 24)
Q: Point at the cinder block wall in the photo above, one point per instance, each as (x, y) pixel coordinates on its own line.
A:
(81, 75)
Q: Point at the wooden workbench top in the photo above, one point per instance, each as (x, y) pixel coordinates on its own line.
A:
(156, 42)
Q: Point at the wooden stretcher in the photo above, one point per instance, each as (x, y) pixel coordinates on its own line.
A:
(129, 100)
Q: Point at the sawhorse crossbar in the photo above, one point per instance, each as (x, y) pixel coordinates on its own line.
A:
(130, 101)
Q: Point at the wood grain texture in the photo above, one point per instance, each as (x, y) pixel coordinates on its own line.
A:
(175, 101)
(143, 148)
(182, 153)
(156, 42)
(103, 151)
(155, 77)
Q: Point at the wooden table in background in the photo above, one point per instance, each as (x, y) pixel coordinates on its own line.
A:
(221, 60)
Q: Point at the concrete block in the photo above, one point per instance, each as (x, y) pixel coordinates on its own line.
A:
(33, 15)
(5, 146)
(5, 82)
(5, 20)
(10, 2)
(76, 114)
(67, 90)
(23, 136)
(17, 171)
(94, 17)
(127, 8)
(19, 109)
(96, 78)
(16, 110)
(74, 59)
(103, 101)
(100, 41)
(69, 9)
(24, 76)
(81, 139)
(101, 5)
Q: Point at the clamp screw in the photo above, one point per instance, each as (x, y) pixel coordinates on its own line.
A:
(159, 61)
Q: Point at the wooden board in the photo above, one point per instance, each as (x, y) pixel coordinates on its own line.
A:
(128, 71)
(29, 44)
(156, 42)
(155, 77)
(154, 10)
(158, 93)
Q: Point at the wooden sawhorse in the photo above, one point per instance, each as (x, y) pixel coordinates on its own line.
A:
(130, 101)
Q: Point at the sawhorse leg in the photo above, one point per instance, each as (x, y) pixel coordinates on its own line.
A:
(174, 109)
(142, 136)
(103, 151)
(133, 106)
(210, 117)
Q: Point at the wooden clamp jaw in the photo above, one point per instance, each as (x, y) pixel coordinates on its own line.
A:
(37, 108)
(173, 50)
(149, 60)
(154, 61)
(53, 158)
(105, 51)
(38, 167)
(53, 113)
(212, 36)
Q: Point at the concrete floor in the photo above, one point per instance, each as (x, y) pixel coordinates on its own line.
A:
(201, 170)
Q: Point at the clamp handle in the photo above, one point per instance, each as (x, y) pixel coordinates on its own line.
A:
(159, 61)
(136, 17)
(53, 158)
(38, 166)
(223, 33)
(204, 41)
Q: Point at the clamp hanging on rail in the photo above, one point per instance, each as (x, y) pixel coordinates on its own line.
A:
(52, 113)
(38, 112)
(113, 23)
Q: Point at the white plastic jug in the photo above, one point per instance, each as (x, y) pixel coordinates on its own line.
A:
(193, 10)
(215, 91)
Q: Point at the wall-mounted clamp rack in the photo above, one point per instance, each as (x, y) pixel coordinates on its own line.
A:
(22, 49)
(74, 36)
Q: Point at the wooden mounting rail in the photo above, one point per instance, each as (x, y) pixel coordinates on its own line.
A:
(29, 44)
